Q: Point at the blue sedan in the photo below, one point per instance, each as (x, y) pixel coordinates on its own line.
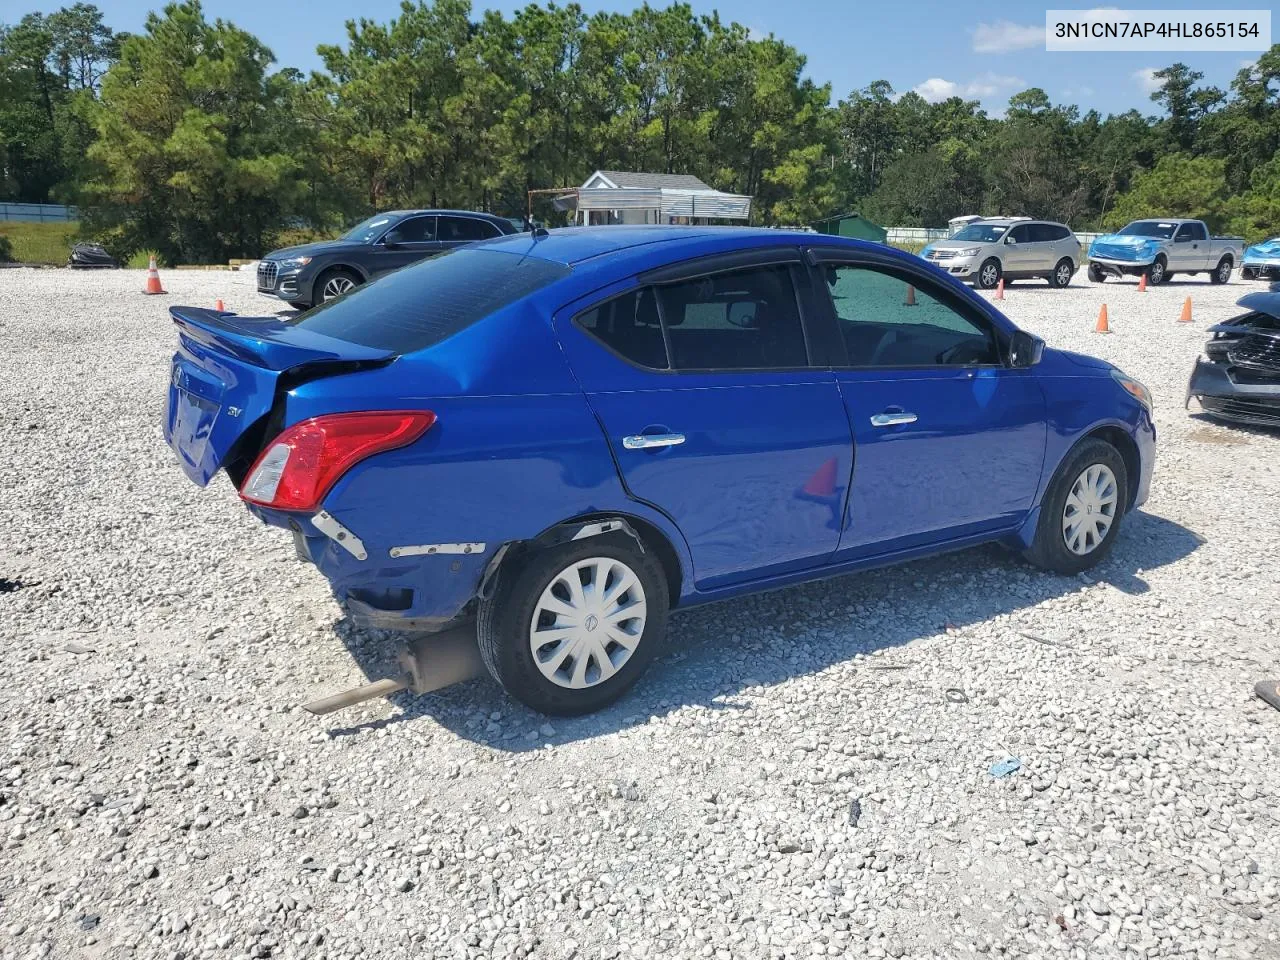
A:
(567, 435)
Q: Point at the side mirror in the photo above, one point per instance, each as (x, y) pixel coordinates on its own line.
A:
(392, 240)
(1010, 240)
(1025, 350)
(742, 313)
(1181, 239)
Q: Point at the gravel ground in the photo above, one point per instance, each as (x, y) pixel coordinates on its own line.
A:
(790, 780)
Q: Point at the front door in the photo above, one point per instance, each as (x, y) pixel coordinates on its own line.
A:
(1190, 248)
(715, 416)
(948, 441)
(1019, 249)
(409, 241)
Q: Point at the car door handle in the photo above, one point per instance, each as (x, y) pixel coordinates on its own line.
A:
(892, 419)
(645, 441)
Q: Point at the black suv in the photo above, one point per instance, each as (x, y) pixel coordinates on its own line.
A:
(315, 272)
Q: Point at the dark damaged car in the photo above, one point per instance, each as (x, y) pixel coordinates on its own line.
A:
(1238, 378)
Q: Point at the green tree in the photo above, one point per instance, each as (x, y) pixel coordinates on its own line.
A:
(192, 152)
(1180, 186)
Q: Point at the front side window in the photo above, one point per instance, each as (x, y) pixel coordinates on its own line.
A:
(738, 320)
(887, 322)
(1021, 233)
(414, 230)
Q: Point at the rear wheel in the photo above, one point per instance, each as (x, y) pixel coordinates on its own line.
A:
(334, 282)
(1157, 273)
(989, 273)
(1096, 274)
(572, 628)
(1081, 511)
(1222, 272)
(1062, 273)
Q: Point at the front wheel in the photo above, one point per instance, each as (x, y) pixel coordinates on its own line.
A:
(572, 628)
(1081, 511)
(1222, 272)
(1157, 273)
(334, 282)
(1062, 273)
(989, 274)
(1096, 274)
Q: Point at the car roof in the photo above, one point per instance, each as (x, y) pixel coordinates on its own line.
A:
(571, 245)
(460, 213)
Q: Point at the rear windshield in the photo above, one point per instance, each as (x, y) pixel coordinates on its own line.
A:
(423, 304)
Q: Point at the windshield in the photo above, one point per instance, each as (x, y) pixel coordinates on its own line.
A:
(1149, 228)
(422, 304)
(369, 230)
(982, 232)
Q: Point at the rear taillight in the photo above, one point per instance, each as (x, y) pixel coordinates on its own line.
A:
(298, 468)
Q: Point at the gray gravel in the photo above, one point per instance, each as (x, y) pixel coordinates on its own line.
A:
(791, 780)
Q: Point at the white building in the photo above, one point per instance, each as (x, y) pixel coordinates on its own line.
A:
(615, 196)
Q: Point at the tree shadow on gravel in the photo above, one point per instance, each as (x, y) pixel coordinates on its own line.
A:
(720, 649)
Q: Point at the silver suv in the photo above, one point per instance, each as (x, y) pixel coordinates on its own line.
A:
(1014, 248)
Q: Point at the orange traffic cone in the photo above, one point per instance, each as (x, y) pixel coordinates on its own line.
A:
(1103, 326)
(1142, 283)
(823, 482)
(911, 296)
(1000, 289)
(153, 280)
(217, 305)
(1186, 311)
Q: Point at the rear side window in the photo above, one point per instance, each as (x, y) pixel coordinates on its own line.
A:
(630, 327)
(1048, 232)
(738, 320)
(465, 229)
(423, 304)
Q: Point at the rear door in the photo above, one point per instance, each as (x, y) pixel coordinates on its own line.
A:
(948, 441)
(407, 242)
(703, 383)
(455, 231)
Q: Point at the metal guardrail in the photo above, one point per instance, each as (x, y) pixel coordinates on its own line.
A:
(38, 212)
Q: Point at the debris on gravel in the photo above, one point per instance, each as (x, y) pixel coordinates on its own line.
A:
(790, 779)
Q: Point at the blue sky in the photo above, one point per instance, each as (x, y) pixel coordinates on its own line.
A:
(984, 51)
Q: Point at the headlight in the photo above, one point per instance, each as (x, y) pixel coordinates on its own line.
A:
(971, 252)
(294, 262)
(1135, 388)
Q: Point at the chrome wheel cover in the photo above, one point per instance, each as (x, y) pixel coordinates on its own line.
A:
(1090, 509)
(587, 623)
(1064, 275)
(1156, 273)
(1224, 271)
(990, 275)
(336, 287)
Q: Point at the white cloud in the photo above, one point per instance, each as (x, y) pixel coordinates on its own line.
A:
(1004, 36)
(936, 89)
(1248, 64)
(1078, 92)
(1147, 80)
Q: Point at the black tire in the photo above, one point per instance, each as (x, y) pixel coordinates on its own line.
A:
(1096, 274)
(1222, 272)
(328, 283)
(503, 624)
(1063, 271)
(299, 304)
(985, 278)
(1158, 272)
(1049, 549)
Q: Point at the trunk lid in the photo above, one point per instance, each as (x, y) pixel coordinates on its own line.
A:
(229, 372)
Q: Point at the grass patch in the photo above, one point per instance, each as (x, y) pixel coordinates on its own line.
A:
(39, 242)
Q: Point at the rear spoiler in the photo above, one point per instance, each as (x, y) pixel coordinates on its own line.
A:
(269, 342)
